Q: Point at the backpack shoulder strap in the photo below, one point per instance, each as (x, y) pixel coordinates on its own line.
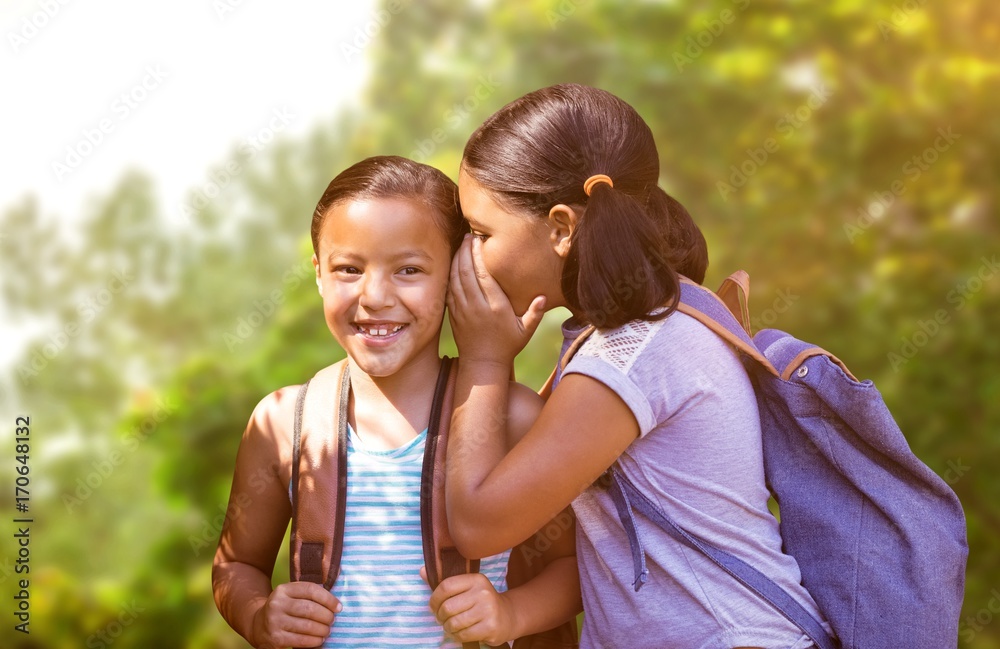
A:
(735, 294)
(706, 307)
(577, 343)
(629, 499)
(441, 558)
(319, 462)
(716, 314)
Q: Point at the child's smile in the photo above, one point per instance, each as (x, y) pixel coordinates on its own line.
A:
(382, 270)
(379, 333)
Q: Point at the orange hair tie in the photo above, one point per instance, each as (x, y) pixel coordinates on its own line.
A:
(596, 179)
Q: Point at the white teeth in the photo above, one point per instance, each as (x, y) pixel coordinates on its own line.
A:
(378, 330)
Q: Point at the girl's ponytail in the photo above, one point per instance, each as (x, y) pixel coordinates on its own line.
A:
(687, 250)
(612, 284)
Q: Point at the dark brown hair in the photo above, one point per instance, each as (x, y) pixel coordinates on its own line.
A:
(390, 176)
(633, 239)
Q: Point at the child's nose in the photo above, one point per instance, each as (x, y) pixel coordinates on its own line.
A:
(376, 292)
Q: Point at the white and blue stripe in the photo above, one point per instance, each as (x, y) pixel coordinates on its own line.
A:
(385, 601)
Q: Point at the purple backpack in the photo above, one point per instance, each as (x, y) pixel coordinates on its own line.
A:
(879, 537)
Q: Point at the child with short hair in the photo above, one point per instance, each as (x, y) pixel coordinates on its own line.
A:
(383, 234)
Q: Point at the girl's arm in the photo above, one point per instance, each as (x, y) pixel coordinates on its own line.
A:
(495, 500)
(297, 614)
(553, 595)
(470, 609)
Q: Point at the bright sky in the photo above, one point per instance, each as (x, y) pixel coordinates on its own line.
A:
(198, 76)
(94, 88)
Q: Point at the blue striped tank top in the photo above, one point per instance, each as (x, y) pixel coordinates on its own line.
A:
(386, 604)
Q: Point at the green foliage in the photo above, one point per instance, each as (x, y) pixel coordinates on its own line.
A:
(850, 241)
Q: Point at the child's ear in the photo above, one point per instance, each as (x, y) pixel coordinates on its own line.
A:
(319, 286)
(562, 221)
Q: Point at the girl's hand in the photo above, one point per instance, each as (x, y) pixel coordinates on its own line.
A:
(298, 614)
(482, 319)
(471, 610)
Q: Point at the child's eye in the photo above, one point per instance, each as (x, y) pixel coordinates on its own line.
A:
(410, 270)
(349, 270)
(480, 235)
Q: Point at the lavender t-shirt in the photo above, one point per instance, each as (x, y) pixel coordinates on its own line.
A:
(699, 457)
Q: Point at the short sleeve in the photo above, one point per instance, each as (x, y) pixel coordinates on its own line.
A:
(609, 356)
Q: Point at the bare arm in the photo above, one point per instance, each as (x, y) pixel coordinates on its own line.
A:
(297, 614)
(553, 596)
(469, 608)
(496, 500)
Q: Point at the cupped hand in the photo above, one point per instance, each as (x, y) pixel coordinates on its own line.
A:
(297, 614)
(484, 324)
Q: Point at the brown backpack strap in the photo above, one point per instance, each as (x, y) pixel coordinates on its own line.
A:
(319, 461)
(441, 558)
(735, 294)
(581, 338)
